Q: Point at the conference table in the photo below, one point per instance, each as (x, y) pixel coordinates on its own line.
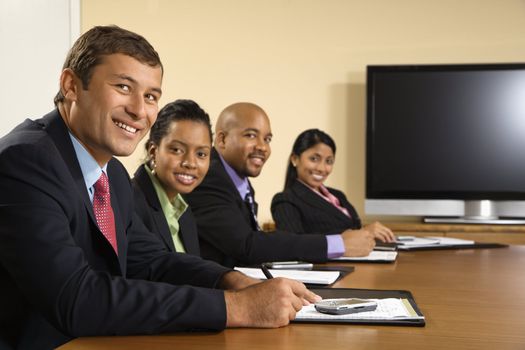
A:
(471, 299)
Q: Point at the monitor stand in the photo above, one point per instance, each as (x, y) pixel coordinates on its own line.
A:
(477, 212)
(466, 220)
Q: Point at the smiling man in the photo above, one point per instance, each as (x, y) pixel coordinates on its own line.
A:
(117, 110)
(225, 209)
(74, 258)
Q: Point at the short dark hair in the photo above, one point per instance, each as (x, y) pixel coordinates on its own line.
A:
(88, 50)
(307, 139)
(176, 111)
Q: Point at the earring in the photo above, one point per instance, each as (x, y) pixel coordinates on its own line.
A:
(153, 165)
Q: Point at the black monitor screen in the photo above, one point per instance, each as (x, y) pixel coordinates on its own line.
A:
(446, 132)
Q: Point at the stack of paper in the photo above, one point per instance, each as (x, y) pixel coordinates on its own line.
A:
(305, 276)
(373, 256)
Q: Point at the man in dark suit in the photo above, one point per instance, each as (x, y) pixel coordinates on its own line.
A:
(225, 210)
(74, 258)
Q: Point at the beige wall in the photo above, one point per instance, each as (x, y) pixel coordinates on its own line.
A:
(304, 61)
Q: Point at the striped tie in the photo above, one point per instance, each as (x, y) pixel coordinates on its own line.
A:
(248, 198)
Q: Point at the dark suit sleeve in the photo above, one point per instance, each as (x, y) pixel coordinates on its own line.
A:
(286, 215)
(145, 261)
(39, 249)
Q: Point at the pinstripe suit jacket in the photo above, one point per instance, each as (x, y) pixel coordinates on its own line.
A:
(300, 210)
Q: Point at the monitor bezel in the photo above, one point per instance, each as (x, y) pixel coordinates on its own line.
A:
(372, 193)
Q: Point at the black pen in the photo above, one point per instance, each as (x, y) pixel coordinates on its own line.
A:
(266, 272)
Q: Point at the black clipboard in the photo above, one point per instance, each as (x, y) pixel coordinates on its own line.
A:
(328, 293)
(475, 245)
(385, 247)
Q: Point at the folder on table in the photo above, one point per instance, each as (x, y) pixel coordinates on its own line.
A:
(441, 243)
(374, 257)
(395, 307)
(385, 246)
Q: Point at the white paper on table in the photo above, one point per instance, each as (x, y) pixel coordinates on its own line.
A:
(305, 276)
(432, 242)
(375, 255)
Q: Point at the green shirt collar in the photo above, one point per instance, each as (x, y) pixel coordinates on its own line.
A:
(171, 209)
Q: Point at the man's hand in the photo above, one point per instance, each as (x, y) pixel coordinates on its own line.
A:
(270, 304)
(380, 232)
(358, 242)
(236, 280)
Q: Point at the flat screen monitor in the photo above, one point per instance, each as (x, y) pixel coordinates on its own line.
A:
(446, 142)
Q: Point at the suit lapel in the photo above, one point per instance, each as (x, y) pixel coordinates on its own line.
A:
(122, 241)
(315, 200)
(216, 163)
(144, 182)
(59, 133)
(218, 168)
(188, 234)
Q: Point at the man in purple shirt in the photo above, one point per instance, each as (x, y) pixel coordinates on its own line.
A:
(224, 203)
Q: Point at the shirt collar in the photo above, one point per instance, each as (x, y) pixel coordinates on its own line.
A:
(319, 193)
(241, 183)
(91, 171)
(176, 207)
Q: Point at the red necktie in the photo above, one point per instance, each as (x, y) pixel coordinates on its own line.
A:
(103, 210)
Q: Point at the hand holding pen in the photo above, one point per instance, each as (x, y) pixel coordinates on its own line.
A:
(266, 272)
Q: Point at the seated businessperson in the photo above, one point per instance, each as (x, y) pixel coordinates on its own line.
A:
(74, 258)
(225, 210)
(306, 205)
(178, 158)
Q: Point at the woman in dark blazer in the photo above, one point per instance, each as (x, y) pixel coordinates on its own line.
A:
(178, 158)
(306, 205)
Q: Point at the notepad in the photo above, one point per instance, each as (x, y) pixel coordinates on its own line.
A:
(305, 276)
(374, 256)
(387, 309)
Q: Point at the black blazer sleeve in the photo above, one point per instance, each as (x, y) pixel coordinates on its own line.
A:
(59, 276)
(227, 234)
